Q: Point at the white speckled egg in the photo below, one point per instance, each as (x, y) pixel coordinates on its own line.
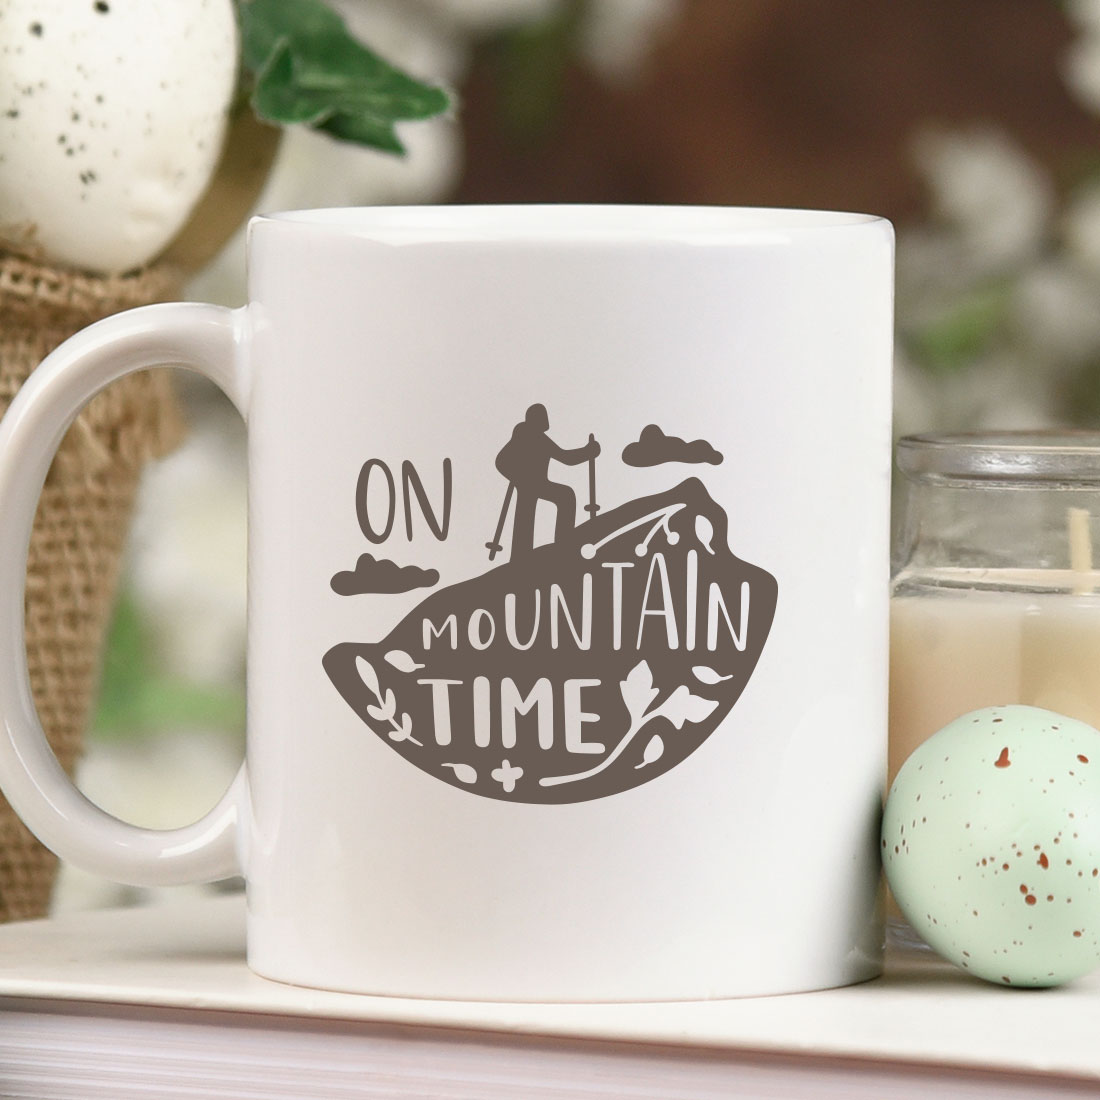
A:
(991, 844)
(112, 114)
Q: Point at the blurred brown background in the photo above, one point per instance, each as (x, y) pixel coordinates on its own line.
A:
(755, 102)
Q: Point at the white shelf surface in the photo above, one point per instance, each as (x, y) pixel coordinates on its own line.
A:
(191, 957)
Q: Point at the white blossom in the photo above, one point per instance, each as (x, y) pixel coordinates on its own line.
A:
(1081, 64)
(1081, 229)
(1081, 69)
(915, 405)
(160, 783)
(188, 554)
(1001, 392)
(617, 35)
(1055, 311)
(1085, 13)
(988, 192)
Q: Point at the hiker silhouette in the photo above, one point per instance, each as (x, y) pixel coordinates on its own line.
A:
(525, 461)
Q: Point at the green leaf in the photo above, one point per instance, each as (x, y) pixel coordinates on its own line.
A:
(308, 70)
(961, 334)
(136, 698)
(265, 22)
(533, 63)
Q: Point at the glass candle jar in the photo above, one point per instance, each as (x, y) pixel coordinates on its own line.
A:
(994, 598)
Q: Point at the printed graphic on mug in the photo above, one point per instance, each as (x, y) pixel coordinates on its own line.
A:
(578, 668)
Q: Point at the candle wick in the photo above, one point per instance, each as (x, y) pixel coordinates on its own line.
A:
(1080, 549)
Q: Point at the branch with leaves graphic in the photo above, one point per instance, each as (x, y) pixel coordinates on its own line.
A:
(638, 694)
(385, 707)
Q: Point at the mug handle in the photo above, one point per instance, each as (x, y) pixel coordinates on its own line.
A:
(211, 340)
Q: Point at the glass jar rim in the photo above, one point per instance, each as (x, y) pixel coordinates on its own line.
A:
(1064, 455)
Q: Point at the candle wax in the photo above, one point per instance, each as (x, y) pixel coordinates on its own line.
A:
(961, 649)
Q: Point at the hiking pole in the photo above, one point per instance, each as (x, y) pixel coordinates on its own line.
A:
(591, 507)
(495, 547)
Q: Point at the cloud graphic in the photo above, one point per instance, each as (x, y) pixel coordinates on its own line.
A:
(381, 575)
(653, 447)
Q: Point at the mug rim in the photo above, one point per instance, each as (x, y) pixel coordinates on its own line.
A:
(569, 221)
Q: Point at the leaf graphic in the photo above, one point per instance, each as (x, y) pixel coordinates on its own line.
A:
(377, 713)
(706, 675)
(389, 704)
(681, 706)
(368, 675)
(463, 772)
(402, 661)
(653, 751)
(704, 532)
(638, 690)
(403, 731)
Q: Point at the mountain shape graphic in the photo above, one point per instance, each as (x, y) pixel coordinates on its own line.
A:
(581, 669)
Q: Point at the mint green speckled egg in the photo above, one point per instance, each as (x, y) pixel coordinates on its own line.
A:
(991, 845)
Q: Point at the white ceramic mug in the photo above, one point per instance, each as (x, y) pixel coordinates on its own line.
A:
(567, 595)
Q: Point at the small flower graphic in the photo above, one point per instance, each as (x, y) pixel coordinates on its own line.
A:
(506, 775)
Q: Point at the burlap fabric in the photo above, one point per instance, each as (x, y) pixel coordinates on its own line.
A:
(81, 525)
